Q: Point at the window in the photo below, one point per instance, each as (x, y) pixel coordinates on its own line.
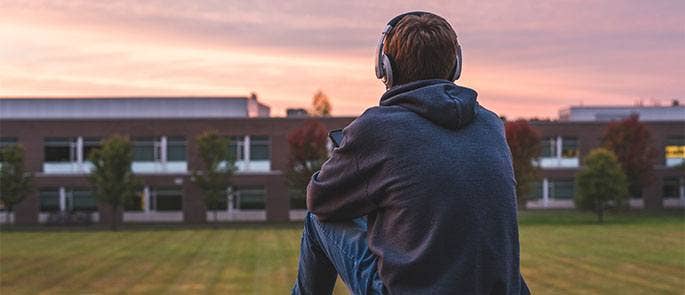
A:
(136, 203)
(167, 199)
(60, 150)
(6, 142)
(146, 149)
(49, 200)
(176, 149)
(670, 188)
(561, 189)
(222, 204)
(549, 147)
(89, 145)
(250, 198)
(569, 147)
(675, 151)
(535, 192)
(236, 147)
(259, 148)
(80, 200)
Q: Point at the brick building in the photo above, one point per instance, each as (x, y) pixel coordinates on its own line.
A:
(57, 135)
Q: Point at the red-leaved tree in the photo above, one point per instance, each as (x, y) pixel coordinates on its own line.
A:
(307, 153)
(630, 140)
(524, 143)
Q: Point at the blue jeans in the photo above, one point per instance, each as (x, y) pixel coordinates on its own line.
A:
(329, 249)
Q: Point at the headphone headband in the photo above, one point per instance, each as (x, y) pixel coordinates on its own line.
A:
(383, 65)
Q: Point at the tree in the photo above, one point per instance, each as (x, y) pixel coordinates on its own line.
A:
(112, 178)
(214, 179)
(601, 183)
(524, 143)
(15, 183)
(320, 105)
(630, 140)
(307, 153)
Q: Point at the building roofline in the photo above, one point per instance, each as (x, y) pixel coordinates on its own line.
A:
(622, 107)
(119, 97)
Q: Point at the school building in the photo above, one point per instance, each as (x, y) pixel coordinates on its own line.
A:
(58, 133)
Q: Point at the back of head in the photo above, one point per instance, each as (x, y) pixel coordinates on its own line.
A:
(421, 47)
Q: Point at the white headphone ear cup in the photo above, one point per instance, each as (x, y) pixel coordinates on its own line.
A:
(387, 69)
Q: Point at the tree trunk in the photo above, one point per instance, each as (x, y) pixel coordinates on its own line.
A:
(216, 219)
(8, 220)
(600, 213)
(114, 218)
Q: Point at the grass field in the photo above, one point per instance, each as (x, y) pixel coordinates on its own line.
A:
(561, 252)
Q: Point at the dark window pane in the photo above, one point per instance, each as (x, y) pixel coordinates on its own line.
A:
(135, 204)
(145, 149)
(251, 198)
(176, 149)
(561, 189)
(671, 188)
(82, 200)
(569, 147)
(60, 150)
(89, 145)
(535, 190)
(675, 140)
(49, 200)
(221, 205)
(236, 147)
(549, 147)
(259, 148)
(170, 199)
(7, 141)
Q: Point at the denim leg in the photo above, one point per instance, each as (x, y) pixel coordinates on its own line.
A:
(344, 246)
(315, 274)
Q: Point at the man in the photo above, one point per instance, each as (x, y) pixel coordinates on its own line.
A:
(419, 197)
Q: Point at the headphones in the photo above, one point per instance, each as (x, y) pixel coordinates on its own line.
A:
(384, 62)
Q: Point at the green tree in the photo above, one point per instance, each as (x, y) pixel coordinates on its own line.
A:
(307, 153)
(214, 179)
(15, 183)
(112, 178)
(321, 106)
(524, 143)
(601, 183)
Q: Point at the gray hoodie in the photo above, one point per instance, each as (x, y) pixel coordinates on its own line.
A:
(432, 171)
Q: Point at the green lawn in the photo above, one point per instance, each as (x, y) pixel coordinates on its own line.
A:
(561, 252)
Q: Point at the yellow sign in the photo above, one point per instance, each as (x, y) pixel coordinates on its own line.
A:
(675, 152)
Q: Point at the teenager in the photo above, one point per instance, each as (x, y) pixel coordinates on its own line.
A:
(419, 197)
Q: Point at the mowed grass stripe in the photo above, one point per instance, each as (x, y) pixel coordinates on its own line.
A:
(223, 257)
(171, 257)
(195, 275)
(70, 271)
(561, 253)
(47, 265)
(126, 272)
(102, 263)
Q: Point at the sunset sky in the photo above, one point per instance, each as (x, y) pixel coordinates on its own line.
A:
(525, 58)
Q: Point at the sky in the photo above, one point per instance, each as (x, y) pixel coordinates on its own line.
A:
(525, 58)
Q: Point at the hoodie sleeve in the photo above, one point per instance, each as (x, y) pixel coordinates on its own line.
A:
(344, 188)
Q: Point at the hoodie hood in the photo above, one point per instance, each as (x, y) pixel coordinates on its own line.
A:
(440, 101)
